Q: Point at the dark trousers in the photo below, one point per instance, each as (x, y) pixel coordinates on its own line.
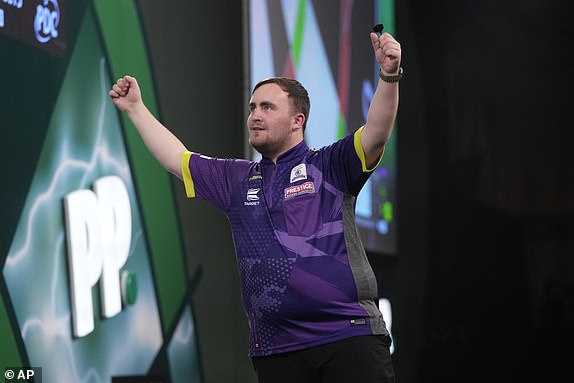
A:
(364, 359)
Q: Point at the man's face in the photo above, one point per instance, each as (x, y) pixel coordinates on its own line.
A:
(271, 121)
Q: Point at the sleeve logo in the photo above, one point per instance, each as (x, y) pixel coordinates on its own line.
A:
(298, 173)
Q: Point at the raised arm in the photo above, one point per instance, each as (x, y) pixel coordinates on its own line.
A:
(162, 144)
(384, 105)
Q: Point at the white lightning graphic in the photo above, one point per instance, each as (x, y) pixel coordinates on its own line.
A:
(52, 325)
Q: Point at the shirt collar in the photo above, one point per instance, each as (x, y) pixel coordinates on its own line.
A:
(290, 154)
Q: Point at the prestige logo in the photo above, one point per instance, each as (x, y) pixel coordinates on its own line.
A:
(98, 233)
(46, 21)
(294, 191)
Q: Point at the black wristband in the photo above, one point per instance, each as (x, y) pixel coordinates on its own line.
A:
(393, 78)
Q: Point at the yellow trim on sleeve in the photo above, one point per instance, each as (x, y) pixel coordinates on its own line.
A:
(186, 175)
(361, 153)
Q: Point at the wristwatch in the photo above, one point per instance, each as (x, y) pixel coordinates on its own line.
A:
(393, 78)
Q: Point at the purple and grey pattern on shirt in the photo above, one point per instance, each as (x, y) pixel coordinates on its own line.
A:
(304, 273)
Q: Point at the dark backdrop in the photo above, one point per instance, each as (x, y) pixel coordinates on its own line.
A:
(497, 79)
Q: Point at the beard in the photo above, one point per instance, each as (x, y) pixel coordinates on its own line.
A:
(264, 147)
(272, 142)
(267, 143)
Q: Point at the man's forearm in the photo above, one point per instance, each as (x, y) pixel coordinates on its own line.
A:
(380, 120)
(161, 142)
(383, 110)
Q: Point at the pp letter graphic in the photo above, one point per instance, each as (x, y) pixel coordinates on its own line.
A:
(98, 232)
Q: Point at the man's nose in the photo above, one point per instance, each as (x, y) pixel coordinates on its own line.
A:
(255, 115)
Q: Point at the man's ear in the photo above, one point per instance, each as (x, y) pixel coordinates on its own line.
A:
(299, 121)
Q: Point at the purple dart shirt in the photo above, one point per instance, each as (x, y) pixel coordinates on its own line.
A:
(305, 277)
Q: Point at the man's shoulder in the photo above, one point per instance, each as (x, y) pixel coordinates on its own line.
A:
(347, 140)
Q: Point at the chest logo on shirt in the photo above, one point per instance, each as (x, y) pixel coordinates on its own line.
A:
(298, 173)
(294, 191)
(255, 177)
(252, 197)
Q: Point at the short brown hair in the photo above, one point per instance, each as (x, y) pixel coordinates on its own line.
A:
(296, 92)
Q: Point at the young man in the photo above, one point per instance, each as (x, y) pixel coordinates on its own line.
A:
(308, 290)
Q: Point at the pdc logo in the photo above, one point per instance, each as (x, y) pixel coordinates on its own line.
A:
(98, 235)
(47, 20)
